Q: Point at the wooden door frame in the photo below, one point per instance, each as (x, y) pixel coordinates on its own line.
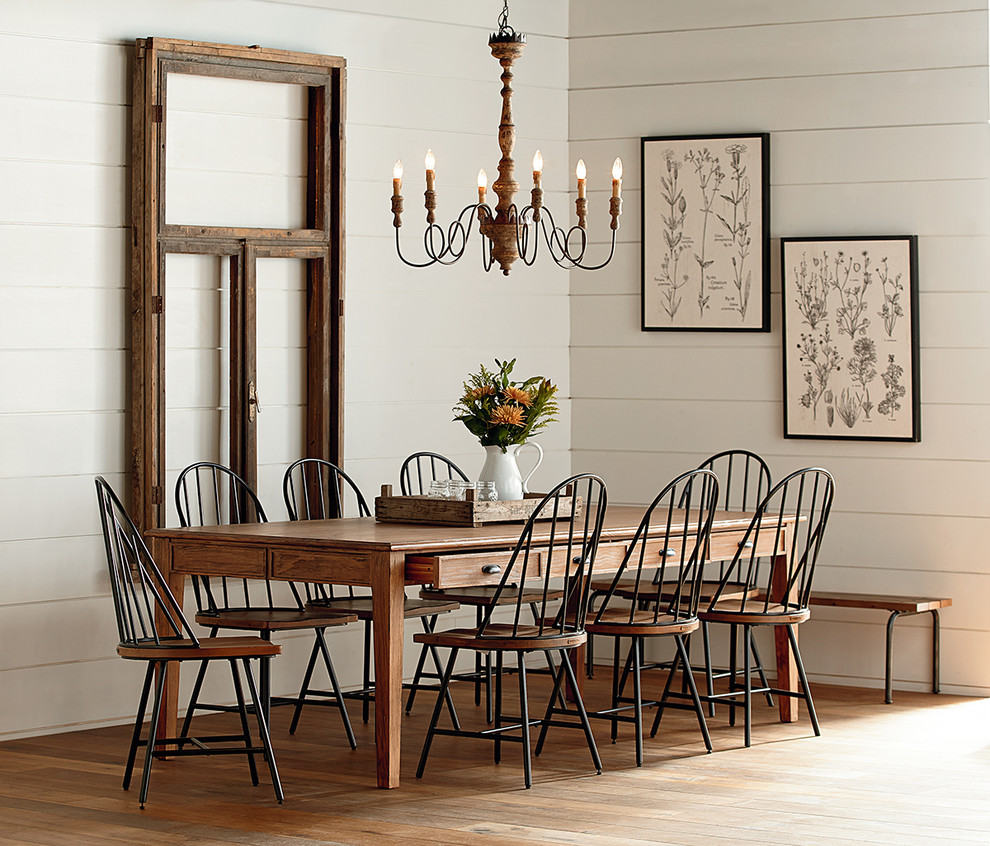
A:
(320, 243)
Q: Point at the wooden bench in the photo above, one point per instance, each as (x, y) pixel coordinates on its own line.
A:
(898, 606)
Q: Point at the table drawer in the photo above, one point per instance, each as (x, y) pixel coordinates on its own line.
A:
(321, 566)
(466, 569)
(219, 559)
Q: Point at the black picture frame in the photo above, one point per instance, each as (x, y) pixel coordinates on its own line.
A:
(850, 338)
(706, 233)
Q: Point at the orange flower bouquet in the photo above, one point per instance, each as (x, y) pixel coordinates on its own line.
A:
(500, 412)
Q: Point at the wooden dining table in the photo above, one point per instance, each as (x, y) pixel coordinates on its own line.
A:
(386, 557)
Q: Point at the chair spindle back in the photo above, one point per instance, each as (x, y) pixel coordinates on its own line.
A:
(568, 553)
(137, 585)
(787, 531)
(666, 558)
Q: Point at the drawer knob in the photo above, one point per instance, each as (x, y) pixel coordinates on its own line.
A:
(746, 544)
(670, 551)
(491, 569)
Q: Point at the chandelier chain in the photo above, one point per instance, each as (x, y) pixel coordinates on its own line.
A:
(503, 21)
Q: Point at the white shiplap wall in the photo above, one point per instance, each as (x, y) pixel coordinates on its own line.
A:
(878, 114)
(419, 75)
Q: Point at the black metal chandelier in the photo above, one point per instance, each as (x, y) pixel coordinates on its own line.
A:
(508, 232)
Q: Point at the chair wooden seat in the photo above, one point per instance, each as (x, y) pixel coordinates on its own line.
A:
(755, 613)
(501, 636)
(181, 649)
(626, 589)
(274, 619)
(360, 607)
(616, 621)
(485, 596)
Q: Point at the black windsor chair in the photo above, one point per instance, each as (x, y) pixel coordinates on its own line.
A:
(209, 494)
(569, 554)
(661, 578)
(139, 593)
(744, 479)
(415, 475)
(316, 489)
(779, 582)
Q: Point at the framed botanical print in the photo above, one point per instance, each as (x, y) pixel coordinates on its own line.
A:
(850, 311)
(706, 233)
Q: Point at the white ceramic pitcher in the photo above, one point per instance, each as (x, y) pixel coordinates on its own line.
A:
(503, 469)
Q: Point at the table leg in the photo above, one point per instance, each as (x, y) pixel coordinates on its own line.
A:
(161, 551)
(387, 600)
(787, 674)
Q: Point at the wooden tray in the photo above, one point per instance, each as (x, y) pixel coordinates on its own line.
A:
(429, 511)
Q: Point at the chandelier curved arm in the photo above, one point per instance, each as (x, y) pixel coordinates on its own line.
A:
(444, 247)
(558, 241)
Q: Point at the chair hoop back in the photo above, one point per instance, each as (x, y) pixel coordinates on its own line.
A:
(744, 479)
(137, 585)
(569, 552)
(210, 494)
(667, 555)
(316, 489)
(786, 532)
(421, 468)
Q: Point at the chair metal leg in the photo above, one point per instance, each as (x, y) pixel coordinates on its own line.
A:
(616, 687)
(582, 711)
(194, 698)
(335, 687)
(733, 649)
(498, 706)
(792, 637)
(524, 712)
(709, 681)
(310, 667)
(156, 710)
(666, 692)
(149, 677)
(555, 694)
(747, 683)
(437, 709)
(266, 740)
(428, 626)
(693, 688)
(365, 700)
(242, 711)
(637, 656)
(762, 673)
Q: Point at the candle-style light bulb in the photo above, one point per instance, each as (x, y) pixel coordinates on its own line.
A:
(538, 162)
(616, 177)
(397, 179)
(482, 185)
(582, 178)
(431, 162)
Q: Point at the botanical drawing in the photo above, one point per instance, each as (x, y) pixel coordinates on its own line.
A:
(738, 199)
(821, 360)
(895, 390)
(673, 233)
(830, 293)
(891, 297)
(710, 176)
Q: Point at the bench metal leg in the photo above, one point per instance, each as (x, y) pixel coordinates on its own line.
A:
(888, 683)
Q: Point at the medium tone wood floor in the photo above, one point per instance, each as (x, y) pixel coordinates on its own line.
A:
(913, 772)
